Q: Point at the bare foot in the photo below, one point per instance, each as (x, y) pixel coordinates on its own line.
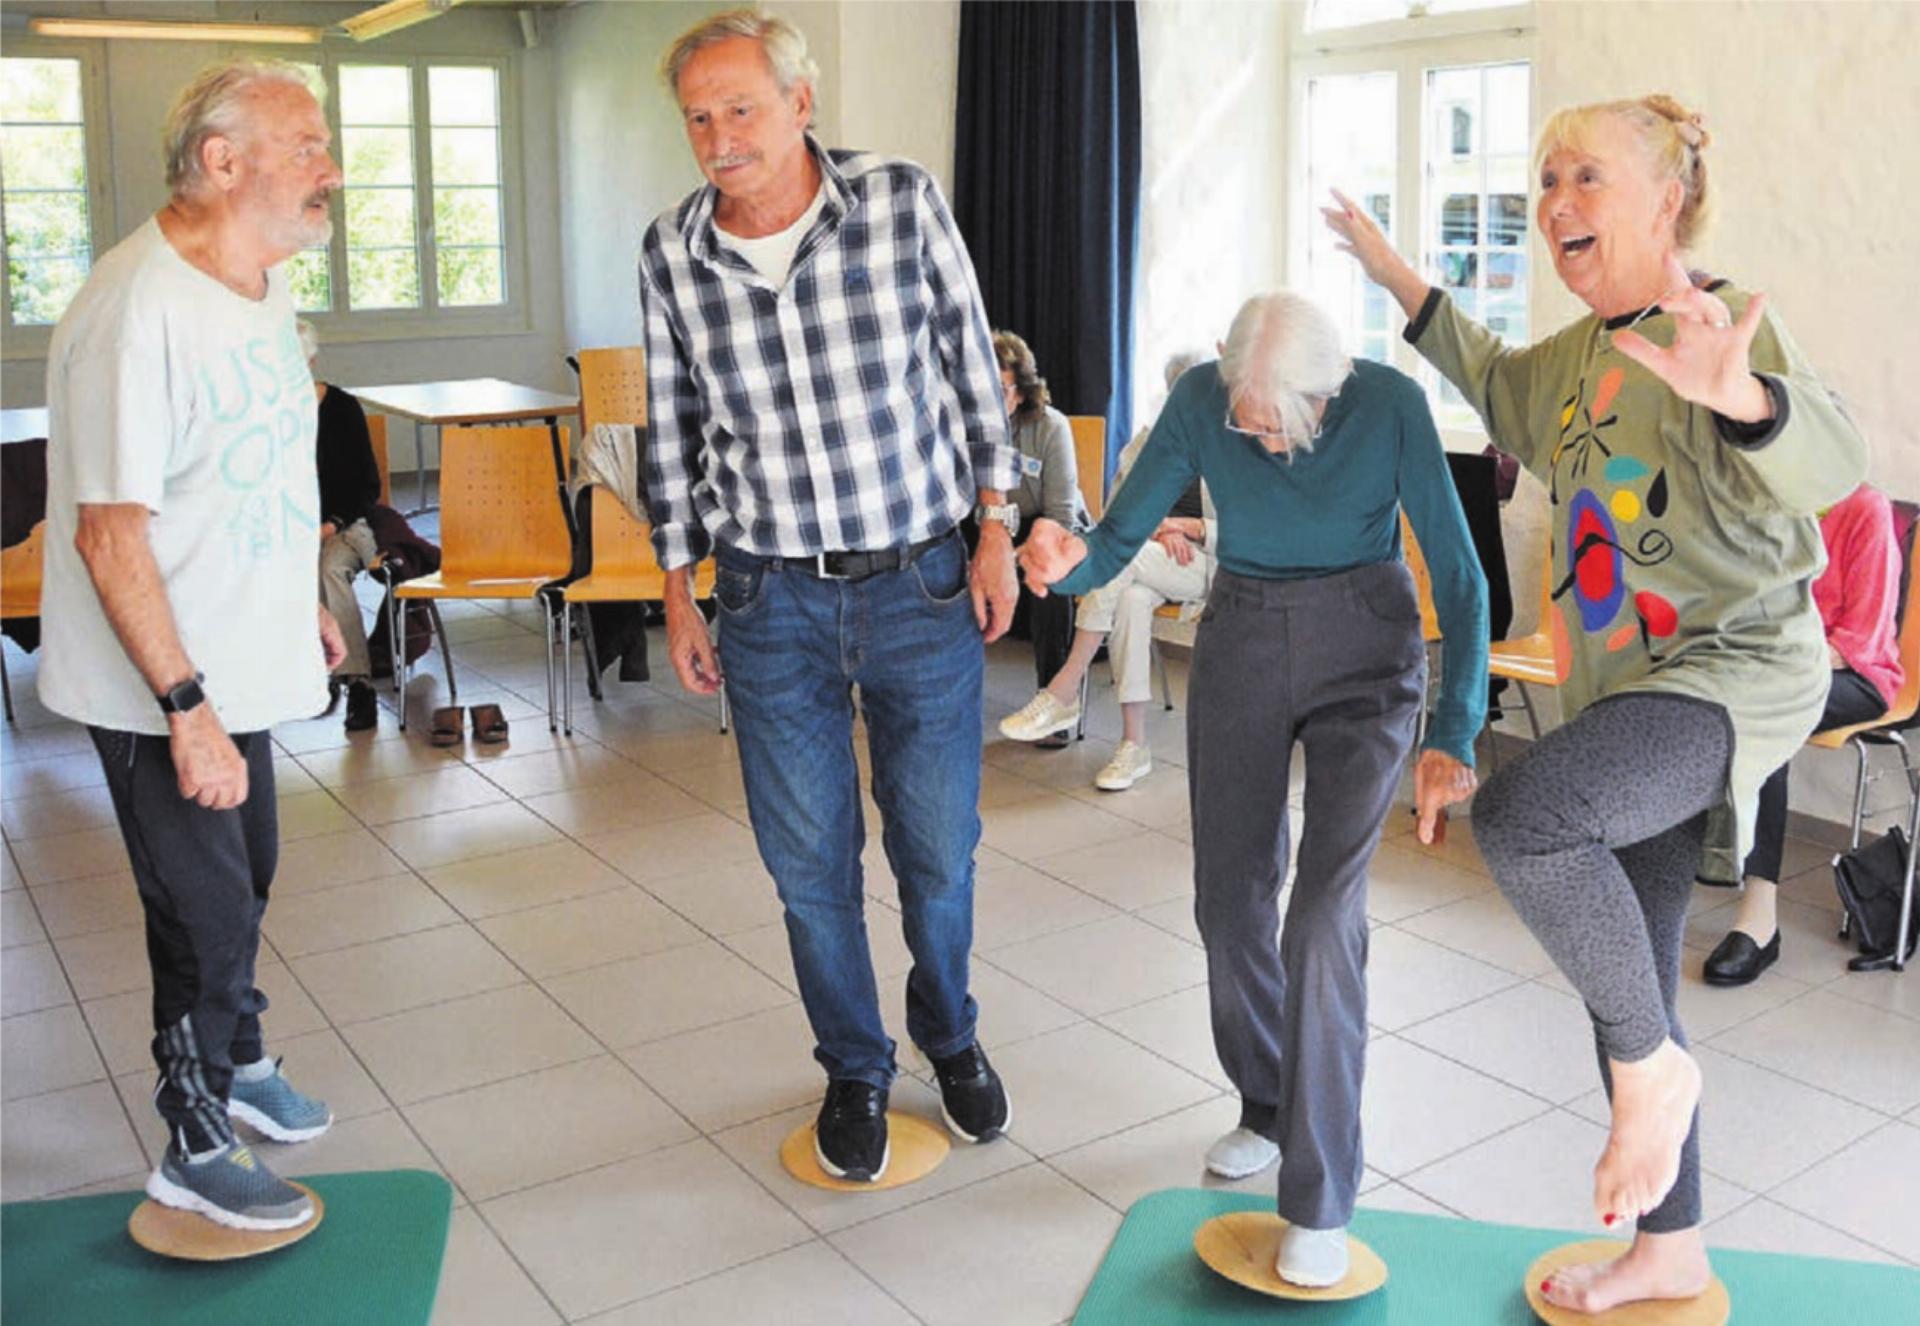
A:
(1653, 1103)
(1656, 1266)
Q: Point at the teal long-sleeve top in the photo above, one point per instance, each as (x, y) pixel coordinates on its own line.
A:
(1318, 512)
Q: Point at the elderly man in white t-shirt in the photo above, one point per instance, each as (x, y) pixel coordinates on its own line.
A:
(179, 606)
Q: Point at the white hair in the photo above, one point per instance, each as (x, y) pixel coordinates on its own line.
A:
(213, 105)
(309, 339)
(1284, 347)
(784, 45)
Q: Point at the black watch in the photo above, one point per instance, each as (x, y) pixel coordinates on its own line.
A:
(184, 698)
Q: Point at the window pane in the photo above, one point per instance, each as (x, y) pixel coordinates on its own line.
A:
(376, 94)
(380, 218)
(43, 157)
(466, 156)
(1350, 147)
(377, 156)
(48, 224)
(462, 95)
(309, 280)
(470, 276)
(40, 90)
(383, 278)
(41, 288)
(466, 216)
(1351, 13)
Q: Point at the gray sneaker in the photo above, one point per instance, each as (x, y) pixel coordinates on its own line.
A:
(277, 1109)
(232, 1188)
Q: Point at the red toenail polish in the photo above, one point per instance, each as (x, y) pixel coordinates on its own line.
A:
(1608, 1220)
(1546, 1286)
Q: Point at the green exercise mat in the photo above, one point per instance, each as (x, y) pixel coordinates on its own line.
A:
(1443, 1272)
(374, 1259)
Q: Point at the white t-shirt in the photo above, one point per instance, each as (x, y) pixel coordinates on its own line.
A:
(772, 255)
(167, 388)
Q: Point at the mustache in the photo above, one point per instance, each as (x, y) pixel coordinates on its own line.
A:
(320, 198)
(736, 159)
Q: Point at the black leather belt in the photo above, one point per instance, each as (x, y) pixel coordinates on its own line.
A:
(860, 565)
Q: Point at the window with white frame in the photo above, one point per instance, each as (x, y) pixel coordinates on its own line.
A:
(1422, 114)
(50, 202)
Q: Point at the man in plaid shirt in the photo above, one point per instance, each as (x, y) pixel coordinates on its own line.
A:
(826, 409)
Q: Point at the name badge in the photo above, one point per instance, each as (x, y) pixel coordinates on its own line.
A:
(1030, 466)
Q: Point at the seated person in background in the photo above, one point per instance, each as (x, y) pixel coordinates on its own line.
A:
(1049, 486)
(1175, 566)
(349, 487)
(1858, 596)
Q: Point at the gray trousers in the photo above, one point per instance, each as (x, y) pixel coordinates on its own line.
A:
(1335, 663)
(342, 557)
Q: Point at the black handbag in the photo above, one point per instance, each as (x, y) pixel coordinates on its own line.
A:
(1871, 881)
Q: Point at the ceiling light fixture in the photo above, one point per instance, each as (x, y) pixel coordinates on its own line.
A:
(153, 30)
(393, 16)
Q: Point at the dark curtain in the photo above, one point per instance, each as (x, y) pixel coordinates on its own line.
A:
(1047, 188)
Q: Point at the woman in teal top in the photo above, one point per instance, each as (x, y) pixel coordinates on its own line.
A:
(1311, 634)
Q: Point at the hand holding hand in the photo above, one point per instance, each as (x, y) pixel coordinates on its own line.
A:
(1439, 781)
(1049, 553)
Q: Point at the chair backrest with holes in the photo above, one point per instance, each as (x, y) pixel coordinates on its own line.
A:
(613, 387)
(500, 512)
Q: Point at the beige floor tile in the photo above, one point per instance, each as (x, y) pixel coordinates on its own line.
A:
(1168, 1152)
(1399, 1197)
(1863, 1054)
(52, 775)
(735, 1072)
(1071, 1086)
(354, 914)
(1883, 990)
(668, 754)
(461, 835)
(71, 855)
(1410, 979)
(105, 962)
(587, 932)
(31, 979)
(810, 1285)
(1016, 902)
(1865, 1191)
(1811, 949)
(392, 975)
(1017, 1249)
(1803, 1124)
(481, 1285)
(1707, 1011)
(1161, 801)
(718, 785)
(1175, 916)
(675, 847)
(1105, 965)
(19, 922)
(1418, 1107)
(546, 1125)
(1000, 788)
(313, 865)
(290, 778)
(370, 761)
(1010, 1011)
(1485, 927)
(312, 814)
(1049, 825)
(612, 1235)
(1406, 880)
(1766, 1226)
(412, 796)
(1135, 870)
(531, 877)
(55, 813)
(49, 1050)
(723, 900)
(663, 994)
(77, 906)
(603, 808)
(64, 1140)
(1177, 1027)
(467, 1042)
(1528, 1036)
(370, 1142)
(1459, 850)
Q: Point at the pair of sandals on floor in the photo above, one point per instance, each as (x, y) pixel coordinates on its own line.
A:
(449, 723)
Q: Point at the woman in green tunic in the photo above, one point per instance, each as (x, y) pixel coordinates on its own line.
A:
(1687, 446)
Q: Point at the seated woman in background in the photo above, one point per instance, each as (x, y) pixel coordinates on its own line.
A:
(349, 488)
(1049, 486)
(1175, 566)
(1858, 596)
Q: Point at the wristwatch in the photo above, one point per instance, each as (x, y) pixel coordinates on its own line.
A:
(184, 698)
(1007, 514)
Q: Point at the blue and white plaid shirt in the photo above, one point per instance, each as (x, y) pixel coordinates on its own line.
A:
(857, 406)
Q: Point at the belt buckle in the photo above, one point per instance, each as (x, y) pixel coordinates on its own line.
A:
(820, 569)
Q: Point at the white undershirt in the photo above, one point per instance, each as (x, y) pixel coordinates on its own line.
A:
(772, 255)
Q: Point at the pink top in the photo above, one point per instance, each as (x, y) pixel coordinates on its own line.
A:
(1859, 593)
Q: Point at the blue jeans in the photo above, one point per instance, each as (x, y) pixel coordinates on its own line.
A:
(793, 647)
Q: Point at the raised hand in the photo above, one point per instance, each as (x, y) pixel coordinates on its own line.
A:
(1709, 360)
(1382, 263)
(1049, 553)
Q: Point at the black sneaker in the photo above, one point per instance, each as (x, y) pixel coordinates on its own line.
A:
(363, 710)
(972, 1096)
(850, 1137)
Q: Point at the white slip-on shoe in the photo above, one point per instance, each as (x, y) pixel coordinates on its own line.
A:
(1042, 716)
(1130, 763)
(1312, 1258)
(1240, 1153)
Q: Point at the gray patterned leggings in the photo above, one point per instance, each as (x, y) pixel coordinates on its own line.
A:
(1594, 836)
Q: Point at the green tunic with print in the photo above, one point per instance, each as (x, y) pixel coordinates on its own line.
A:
(1684, 546)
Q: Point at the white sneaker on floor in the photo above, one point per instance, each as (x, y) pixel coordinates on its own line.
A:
(1312, 1258)
(1130, 763)
(1240, 1153)
(1042, 716)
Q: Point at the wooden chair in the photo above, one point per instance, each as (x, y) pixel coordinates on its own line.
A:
(1529, 660)
(1090, 460)
(20, 573)
(1889, 730)
(613, 387)
(503, 533)
(382, 571)
(624, 570)
(1429, 616)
